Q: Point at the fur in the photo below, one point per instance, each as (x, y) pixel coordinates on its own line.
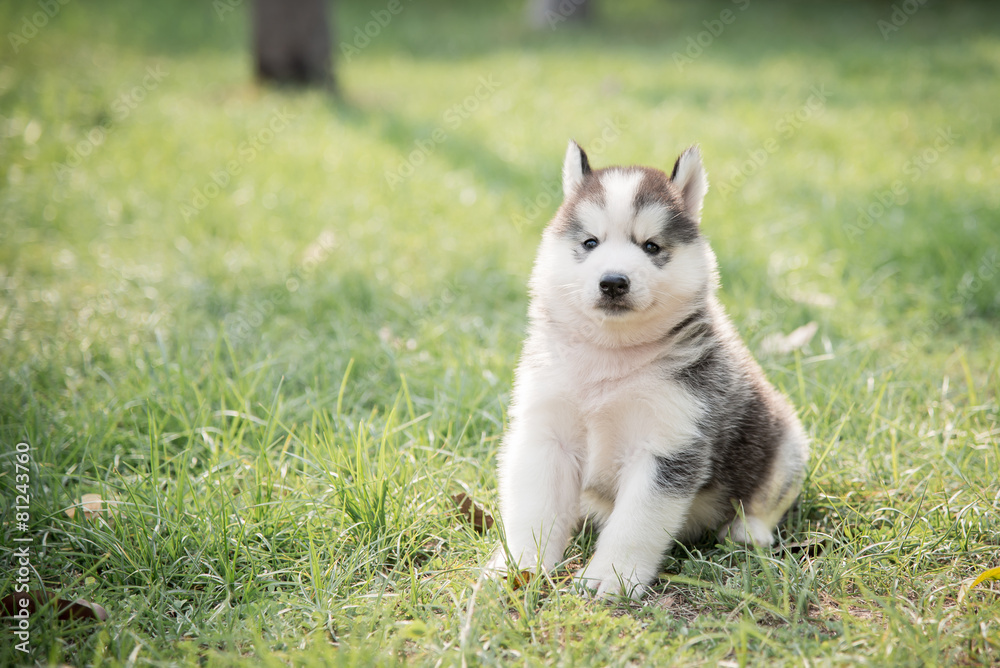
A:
(635, 402)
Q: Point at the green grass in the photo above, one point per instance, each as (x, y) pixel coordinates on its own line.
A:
(283, 388)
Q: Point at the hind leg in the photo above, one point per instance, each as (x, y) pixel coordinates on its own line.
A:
(749, 530)
(756, 523)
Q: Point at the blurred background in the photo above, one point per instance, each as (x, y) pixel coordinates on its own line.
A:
(147, 174)
(206, 216)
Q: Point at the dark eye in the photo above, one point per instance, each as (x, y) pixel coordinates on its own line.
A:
(651, 248)
(590, 244)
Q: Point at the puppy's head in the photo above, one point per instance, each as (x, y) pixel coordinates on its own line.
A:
(624, 254)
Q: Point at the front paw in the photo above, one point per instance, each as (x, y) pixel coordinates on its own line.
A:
(500, 565)
(496, 568)
(607, 582)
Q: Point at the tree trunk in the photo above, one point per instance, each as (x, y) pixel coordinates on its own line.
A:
(292, 42)
(551, 13)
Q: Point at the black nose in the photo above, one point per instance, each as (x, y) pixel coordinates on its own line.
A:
(614, 285)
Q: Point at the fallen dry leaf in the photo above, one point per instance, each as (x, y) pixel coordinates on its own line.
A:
(93, 506)
(518, 580)
(12, 604)
(480, 520)
(989, 574)
(779, 344)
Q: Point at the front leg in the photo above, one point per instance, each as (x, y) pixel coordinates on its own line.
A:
(655, 493)
(539, 493)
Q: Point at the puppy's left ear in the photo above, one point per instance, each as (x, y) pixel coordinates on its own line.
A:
(575, 167)
(689, 177)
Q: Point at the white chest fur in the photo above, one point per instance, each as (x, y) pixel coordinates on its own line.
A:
(615, 405)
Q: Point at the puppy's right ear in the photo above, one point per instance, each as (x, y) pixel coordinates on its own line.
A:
(689, 177)
(575, 167)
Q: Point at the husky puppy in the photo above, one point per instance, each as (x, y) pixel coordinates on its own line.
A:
(635, 402)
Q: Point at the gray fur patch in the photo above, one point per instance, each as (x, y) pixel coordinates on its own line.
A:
(682, 473)
(655, 189)
(742, 423)
(566, 223)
